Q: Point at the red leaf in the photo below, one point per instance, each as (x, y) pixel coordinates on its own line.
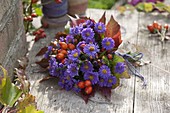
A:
(86, 97)
(43, 63)
(106, 92)
(113, 30)
(103, 18)
(42, 51)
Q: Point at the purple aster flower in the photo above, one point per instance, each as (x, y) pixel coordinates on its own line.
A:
(89, 23)
(46, 55)
(61, 39)
(111, 81)
(135, 2)
(104, 71)
(68, 78)
(53, 67)
(74, 55)
(79, 45)
(86, 66)
(69, 39)
(72, 69)
(103, 82)
(108, 43)
(92, 76)
(100, 27)
(87, 34)
(75, 86)
(91, 49)
(62, 82)
(75, 31)
(120, 67)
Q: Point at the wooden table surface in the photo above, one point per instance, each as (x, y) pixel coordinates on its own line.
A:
(130, 96)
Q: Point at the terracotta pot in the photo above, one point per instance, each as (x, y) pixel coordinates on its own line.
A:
(77, 7)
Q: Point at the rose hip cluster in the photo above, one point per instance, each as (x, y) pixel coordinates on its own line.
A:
(30, 17)
(39, 34)
(86, 85)
(156, 27)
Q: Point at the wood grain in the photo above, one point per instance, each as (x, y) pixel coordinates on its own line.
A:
(156, 97)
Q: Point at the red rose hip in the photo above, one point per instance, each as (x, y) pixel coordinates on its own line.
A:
(88, 90)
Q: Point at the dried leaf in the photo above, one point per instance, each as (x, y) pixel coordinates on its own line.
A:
(60, 34)
(27, 100)
(86, 97)
(43, 63)
(112, 28)
(46, 78)
(23, 62)
(103, 18)
(42, 51)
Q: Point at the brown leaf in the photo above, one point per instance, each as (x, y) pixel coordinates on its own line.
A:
(43, 63)
(46, 78)
(42, 51)
(60, 34)
(86, 97)
(103, 18)
(112, 28)
(23, 62)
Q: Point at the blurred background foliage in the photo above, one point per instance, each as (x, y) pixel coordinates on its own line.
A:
(101, 4)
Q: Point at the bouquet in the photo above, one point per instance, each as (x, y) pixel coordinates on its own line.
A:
(86, 60)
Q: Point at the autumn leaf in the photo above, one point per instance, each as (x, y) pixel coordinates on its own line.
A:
(103, 18)
(112, 27)
(42, 51)
(43, 63)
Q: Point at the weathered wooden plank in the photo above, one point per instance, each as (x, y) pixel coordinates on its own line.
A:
(156, 97)
(53, 100)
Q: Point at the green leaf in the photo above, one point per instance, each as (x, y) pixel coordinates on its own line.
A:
(38, 11)
(117, 59)
(148, 7)
(9, 93)
(167, 8)
(30, 109)
(160, 6)
(106, 61)
(140, 6)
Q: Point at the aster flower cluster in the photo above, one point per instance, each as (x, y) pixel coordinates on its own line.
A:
(85, 59)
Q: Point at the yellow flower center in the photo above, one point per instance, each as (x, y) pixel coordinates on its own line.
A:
(68, 78)
(87, 34)
(91, 77)
(91, 48)
(101, 80)
(75, 54)
(108, 43)
(86, 66)
(110, 81)
(104, 71)
(99, 27)
(63, 81)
